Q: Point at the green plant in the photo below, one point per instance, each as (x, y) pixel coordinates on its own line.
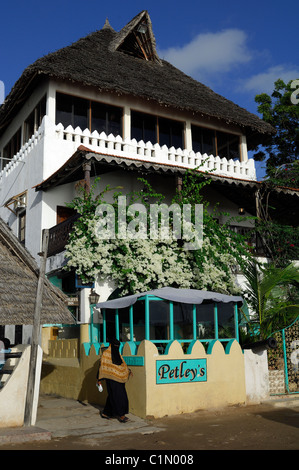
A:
(144, 263)
(273, 296)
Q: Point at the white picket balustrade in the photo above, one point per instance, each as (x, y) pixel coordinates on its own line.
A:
(130, 148)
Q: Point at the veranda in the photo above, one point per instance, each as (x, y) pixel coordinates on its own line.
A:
(168, 314)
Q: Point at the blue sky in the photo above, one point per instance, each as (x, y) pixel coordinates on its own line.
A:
(237, 48)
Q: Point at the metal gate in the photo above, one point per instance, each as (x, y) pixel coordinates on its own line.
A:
(283, 361)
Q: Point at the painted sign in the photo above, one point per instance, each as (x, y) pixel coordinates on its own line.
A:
(134, 360)
(181, 371)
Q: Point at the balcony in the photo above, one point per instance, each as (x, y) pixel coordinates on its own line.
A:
(65, 142)
(59, 235)
(154, 153)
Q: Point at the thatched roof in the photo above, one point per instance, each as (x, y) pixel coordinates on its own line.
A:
(18, 286)
(126, 63)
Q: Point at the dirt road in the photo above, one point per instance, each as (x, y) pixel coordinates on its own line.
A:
(258, 427)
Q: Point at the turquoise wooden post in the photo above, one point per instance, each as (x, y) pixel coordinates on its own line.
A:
(147, 329)
(216, 320)
(104, 327)
(236, 322)
(116, 324)
(286, 375)
(131, 324)
(91, 325)
(194, 321)
(171, 336)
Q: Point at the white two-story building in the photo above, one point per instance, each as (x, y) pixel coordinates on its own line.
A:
(108, 106)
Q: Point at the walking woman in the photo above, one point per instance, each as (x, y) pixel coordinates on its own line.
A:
(116, 373)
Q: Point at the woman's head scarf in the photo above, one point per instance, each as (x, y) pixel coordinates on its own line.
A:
(116, 359)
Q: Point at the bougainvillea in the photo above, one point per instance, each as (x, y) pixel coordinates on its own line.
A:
(141, 264)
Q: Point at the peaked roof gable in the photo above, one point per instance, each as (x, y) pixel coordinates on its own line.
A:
(137, 38)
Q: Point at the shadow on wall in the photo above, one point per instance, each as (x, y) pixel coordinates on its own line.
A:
(89, 392)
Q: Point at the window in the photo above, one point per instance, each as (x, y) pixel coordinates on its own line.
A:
(22, 227)
(74, 111)
(159, 320)
(228, 146)
(105, 118)
(110, 324)
(226, 320)
(139, 320)
(124, 324)
(205, 325)
(143, 127)
(203, 140)
(182, 321)
(150, 128)
(34, 119)
(170, 133)
(214, 142)
(11, 148)
(64, 213)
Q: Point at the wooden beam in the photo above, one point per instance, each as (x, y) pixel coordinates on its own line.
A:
(87, 169)
(28, 416)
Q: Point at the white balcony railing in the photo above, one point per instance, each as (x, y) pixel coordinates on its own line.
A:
(129, 148)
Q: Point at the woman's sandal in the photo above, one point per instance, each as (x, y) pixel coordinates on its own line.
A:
(123, 420)
(104, 416)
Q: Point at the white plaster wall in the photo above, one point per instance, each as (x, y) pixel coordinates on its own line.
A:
(256, 376)
(13, 394)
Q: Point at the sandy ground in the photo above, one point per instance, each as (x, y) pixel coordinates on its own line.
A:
(75, 426)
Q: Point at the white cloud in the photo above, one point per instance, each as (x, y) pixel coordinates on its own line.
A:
(264, 82)
(210, 53)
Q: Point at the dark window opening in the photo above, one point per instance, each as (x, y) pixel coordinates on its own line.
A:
(170, 133)
(226, 320)
(139, 320)
(18, 334)
(203, 140)
(12, 148)
(72, 111)
(105, 118)
(124, 325)
(205, 325)
(143, 127)
(215, 143)
(159, 320)
(110, 325)
(63, 213)
(87, 114)
(22, 227)
(228, 146)
(150, 128)
(182, 321)
(34, 119)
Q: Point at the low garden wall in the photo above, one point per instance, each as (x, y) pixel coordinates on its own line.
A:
(166, 384)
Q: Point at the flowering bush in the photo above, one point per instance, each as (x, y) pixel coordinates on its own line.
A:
(138, 265)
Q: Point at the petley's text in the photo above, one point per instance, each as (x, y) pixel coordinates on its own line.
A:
(176, 371)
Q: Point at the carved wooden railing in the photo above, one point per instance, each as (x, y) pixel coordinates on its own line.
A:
(59, 235)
